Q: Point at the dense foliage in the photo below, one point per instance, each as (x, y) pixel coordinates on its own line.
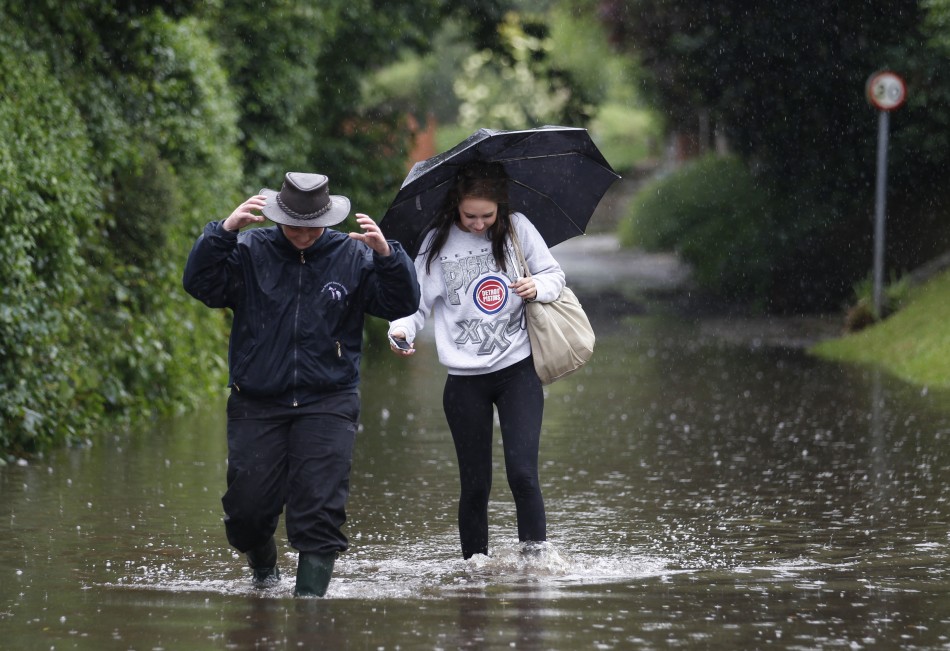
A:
(105, 180)
(47, 197)
(127, 127)
(783, 83)
(296, 71)
(707, 212)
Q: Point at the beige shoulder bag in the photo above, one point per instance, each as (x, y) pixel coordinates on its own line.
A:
(562, 339)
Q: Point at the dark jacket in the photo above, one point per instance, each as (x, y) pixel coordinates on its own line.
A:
(298, 315)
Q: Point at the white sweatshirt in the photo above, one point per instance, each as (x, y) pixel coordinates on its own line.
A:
(478, 324)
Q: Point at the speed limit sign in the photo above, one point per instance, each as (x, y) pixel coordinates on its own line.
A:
(886, 90)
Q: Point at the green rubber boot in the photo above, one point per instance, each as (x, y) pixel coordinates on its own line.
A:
(263, 562)
(313, 574)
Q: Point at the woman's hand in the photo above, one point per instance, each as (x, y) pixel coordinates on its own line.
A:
(525, 288)
(399, 345)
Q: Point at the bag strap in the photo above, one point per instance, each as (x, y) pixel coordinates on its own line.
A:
(516, 244)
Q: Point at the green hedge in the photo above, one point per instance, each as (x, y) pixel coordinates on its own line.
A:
(104, 184)
(712, 213)
(48, 200)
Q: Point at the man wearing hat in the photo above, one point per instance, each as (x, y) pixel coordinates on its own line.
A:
(298, 292)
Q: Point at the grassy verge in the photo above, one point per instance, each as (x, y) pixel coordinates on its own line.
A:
(913, 344)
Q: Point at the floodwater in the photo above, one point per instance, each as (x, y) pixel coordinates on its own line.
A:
(702, 492)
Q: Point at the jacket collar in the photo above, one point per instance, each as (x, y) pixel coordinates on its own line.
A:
(287, 247)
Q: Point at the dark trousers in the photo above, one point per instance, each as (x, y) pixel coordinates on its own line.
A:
(468, 401)
(298, 457)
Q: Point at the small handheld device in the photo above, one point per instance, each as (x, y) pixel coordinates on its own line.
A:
(401, 344)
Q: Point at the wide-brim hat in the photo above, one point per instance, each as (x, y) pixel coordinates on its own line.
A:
(305, 200)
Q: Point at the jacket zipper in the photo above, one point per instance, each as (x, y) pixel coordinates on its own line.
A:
(303, 261)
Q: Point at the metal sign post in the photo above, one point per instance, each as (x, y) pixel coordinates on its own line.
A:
(886, 91)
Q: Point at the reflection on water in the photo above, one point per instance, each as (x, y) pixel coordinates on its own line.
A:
(700, 492)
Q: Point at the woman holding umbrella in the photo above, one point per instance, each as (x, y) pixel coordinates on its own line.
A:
(475, 292)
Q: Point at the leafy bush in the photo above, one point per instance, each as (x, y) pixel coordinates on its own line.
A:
(711, 212)
(514, 87)
(861, 314)
(106, 182)
(48, 199)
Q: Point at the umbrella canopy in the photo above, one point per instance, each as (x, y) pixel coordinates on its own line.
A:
(558, 176)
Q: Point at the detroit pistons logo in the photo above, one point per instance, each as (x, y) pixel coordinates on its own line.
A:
(490, 294)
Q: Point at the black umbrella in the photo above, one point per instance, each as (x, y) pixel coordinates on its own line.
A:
(558, 177)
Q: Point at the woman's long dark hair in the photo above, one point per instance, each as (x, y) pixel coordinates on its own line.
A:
(481, 181)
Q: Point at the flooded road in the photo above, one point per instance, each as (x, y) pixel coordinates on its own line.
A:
(702, 492)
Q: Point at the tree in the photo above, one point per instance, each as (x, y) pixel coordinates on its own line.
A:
(299, 69)
(784, 82)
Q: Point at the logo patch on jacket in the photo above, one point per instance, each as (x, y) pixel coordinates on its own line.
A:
(336, 290)
(490, 294)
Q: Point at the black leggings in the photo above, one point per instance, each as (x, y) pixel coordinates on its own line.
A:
(468, 402)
